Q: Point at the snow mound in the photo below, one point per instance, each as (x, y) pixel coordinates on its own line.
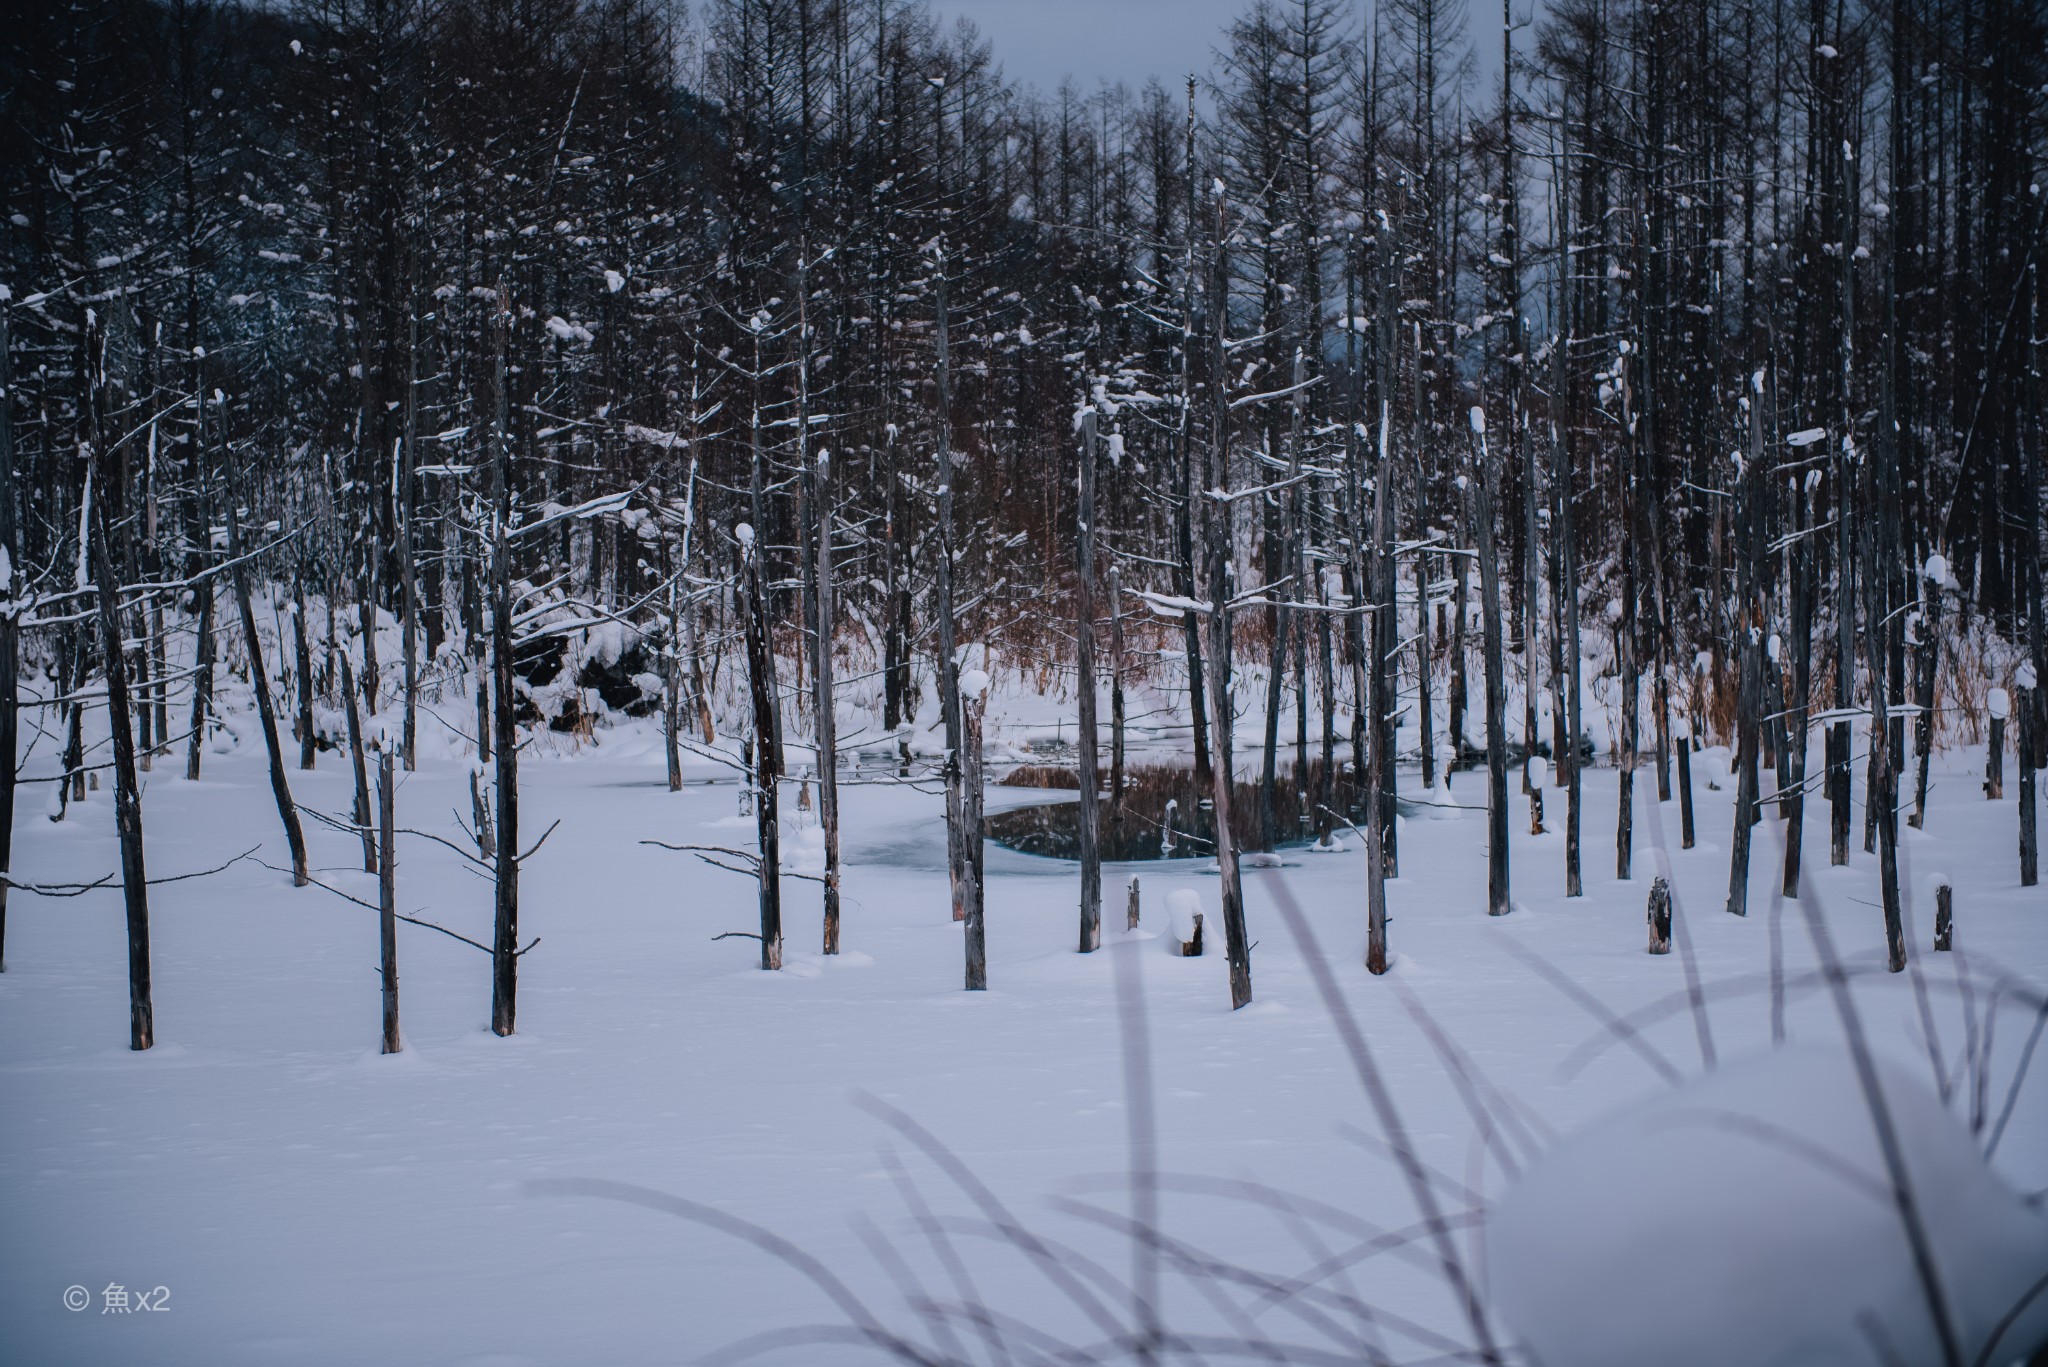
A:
(1183, 905)
(1747, 1217)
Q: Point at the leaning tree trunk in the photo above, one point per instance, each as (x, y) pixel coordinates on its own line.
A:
(1497, 903)
(266, 707)
(1084, 651)
(127, 788)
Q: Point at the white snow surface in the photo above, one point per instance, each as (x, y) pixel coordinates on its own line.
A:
(1748, 1216)
(308, 1201)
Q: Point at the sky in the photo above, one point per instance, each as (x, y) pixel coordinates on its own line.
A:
(1039, 41)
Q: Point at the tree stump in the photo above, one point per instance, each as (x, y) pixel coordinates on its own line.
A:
(1184, 917)
(1132, 922)
(1660, 917)
(1944, 917)
(1999, 703)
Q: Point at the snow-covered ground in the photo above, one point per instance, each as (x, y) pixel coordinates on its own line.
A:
(305, 1200)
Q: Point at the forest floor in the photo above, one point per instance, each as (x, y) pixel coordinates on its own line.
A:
(305, 1200)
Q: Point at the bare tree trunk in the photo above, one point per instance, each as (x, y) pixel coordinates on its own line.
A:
(1927, 655)
(1684, 747)
(761, 686)
(2030, 745)
(387, 896)
(949, 664)
(815, 487)
(1116, 689)
(1568, 578)
(1376, 773)
(408, 566)
(127, 788)
(1994, 752)
(1084, 652)
(203, 651)
(973, 710)
(505, 936)
(1793, 797)
(1221, 722)
(1497, 896)
(359, 812)
(10, 631)
(303, 656)
(266, 707)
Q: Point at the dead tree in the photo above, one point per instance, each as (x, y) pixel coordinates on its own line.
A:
(761, 688)
(387, 895)
(359, 760)
(10, 631)
(2030, 748)
(973, 711)
(1926, 656)
(815, 490)
(1999, 704)
(1381, 761)
(127, 787)
(1567, 577)
(1497, 897)
(1116, 692)
(266, 706)
(1660, 916)
(1219, 543)
(302, 657)
(504, 719)
(1084, 658)
(203, 590)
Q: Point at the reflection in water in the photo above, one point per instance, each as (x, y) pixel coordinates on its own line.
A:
(1164, 813)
